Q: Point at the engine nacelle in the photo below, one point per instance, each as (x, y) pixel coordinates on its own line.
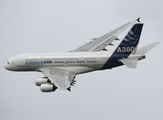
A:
(41, 80)
(47, 87)
(90, 40)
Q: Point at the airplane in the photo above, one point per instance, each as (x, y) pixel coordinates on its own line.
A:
(60, 69)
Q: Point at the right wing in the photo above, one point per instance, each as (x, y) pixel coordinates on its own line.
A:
(61, 78)
(103, 41)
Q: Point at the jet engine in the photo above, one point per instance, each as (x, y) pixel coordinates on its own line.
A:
(47, 87)
(41, 80)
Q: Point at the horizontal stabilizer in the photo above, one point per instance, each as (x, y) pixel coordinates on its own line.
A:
(130, 63)
(147, 48)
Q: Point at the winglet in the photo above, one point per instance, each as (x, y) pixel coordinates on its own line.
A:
(69, 89)
(138, 19)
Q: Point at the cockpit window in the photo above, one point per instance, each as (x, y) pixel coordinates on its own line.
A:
(7, 62)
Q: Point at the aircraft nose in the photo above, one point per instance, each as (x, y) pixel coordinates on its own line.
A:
(6, 66)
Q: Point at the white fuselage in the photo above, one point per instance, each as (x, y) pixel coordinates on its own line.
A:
(79, 62)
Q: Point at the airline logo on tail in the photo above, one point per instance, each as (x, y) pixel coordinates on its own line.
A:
(131, 40)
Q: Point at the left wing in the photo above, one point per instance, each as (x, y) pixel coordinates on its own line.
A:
(101, 42)
(61, 78)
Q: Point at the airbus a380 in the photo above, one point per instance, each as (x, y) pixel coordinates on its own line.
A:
(60, 69)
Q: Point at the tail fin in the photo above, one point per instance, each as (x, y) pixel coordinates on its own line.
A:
(147, 48)
(131, 40)
(126, 47)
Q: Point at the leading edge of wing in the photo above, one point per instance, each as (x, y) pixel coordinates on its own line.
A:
(101, 42)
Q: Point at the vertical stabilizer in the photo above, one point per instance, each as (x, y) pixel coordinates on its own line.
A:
(130, 42)
(126, 47)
